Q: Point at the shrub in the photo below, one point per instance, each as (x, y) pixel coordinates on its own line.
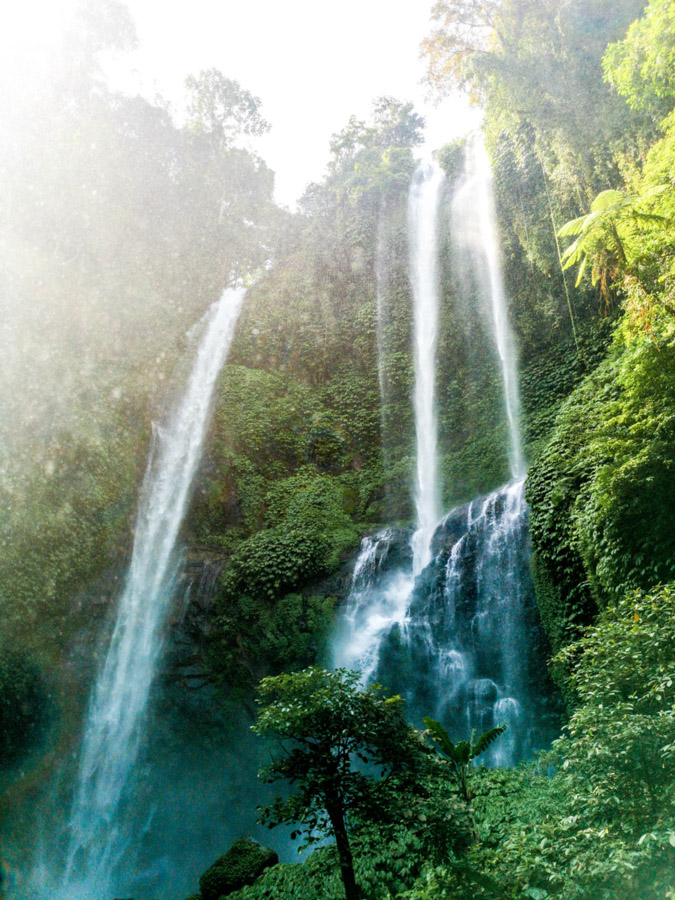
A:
(245, 861)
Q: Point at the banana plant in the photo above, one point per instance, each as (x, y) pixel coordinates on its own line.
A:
(463, 753)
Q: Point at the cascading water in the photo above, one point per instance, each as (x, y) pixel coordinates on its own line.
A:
(119, 701)
(422, 225)
(469, 651)
(474, 232)
(455, 628)
(375, 603)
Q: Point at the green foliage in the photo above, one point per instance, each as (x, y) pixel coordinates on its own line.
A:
(254, 636)
(221, 108)
(601, 490)
(596, 817)
(547, 379)
(614, 764)
(540, 64)
(554, 486)
(310, 534)
(328, 721)
(609, 236)
(112, 244)
(641, 67)
(463, 753)
(245, 861)
(325, 723)
(387, 860)
(66, 514)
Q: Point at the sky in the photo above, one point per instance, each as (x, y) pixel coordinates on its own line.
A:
(312, 63)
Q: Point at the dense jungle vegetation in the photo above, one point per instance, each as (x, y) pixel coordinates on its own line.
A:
(119, 227)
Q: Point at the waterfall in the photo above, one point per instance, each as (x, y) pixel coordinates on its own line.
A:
(113, 728)
(381, 289)
(469, 651)
(378, 600)
(453, 625)
(475, 233)
(380, 594)
(425, 192)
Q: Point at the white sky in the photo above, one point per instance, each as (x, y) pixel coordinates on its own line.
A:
(313, 64)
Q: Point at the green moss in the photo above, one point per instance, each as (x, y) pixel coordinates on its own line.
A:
(245, 861)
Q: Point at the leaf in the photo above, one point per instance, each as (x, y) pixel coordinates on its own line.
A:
(574, 226)
(478, 878)
(463, 752)
(438, 734)
(486, 739)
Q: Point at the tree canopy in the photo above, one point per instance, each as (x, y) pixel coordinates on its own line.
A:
(338, 741)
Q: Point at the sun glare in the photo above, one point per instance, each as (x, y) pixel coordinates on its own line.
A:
(30, 30)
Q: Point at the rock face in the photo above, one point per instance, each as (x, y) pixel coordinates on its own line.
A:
(184, 680)
(245, 861)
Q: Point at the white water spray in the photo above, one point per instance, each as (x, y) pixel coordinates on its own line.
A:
(423, 205)
(381, 290)
(379, 600)
(119, 701)
(475, 221)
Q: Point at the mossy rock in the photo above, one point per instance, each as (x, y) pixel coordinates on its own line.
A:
(240, 866)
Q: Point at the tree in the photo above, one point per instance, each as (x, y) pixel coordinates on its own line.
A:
(222, 108)
(642, 66)
(393, 124)
(461, 755)
(338, 740)
(462, 28)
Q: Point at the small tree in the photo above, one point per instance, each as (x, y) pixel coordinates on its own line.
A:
(461, 755)
(338, 740)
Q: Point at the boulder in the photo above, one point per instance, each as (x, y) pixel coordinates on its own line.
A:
(241, 865)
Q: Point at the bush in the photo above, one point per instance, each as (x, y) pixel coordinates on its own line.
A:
(245, 861)
(602, 491)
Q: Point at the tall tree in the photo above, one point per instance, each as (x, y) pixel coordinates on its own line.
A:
(338, 741)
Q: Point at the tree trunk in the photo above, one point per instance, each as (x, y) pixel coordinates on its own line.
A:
(337, 820)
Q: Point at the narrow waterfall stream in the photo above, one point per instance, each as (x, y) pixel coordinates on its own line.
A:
(422, 225)
(114, 724)
(376, 605)
(446, 615)
(475, 235)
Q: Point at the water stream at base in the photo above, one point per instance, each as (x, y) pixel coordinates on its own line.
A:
(114, 723)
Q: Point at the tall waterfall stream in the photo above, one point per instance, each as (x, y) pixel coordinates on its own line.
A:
(113, 727)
